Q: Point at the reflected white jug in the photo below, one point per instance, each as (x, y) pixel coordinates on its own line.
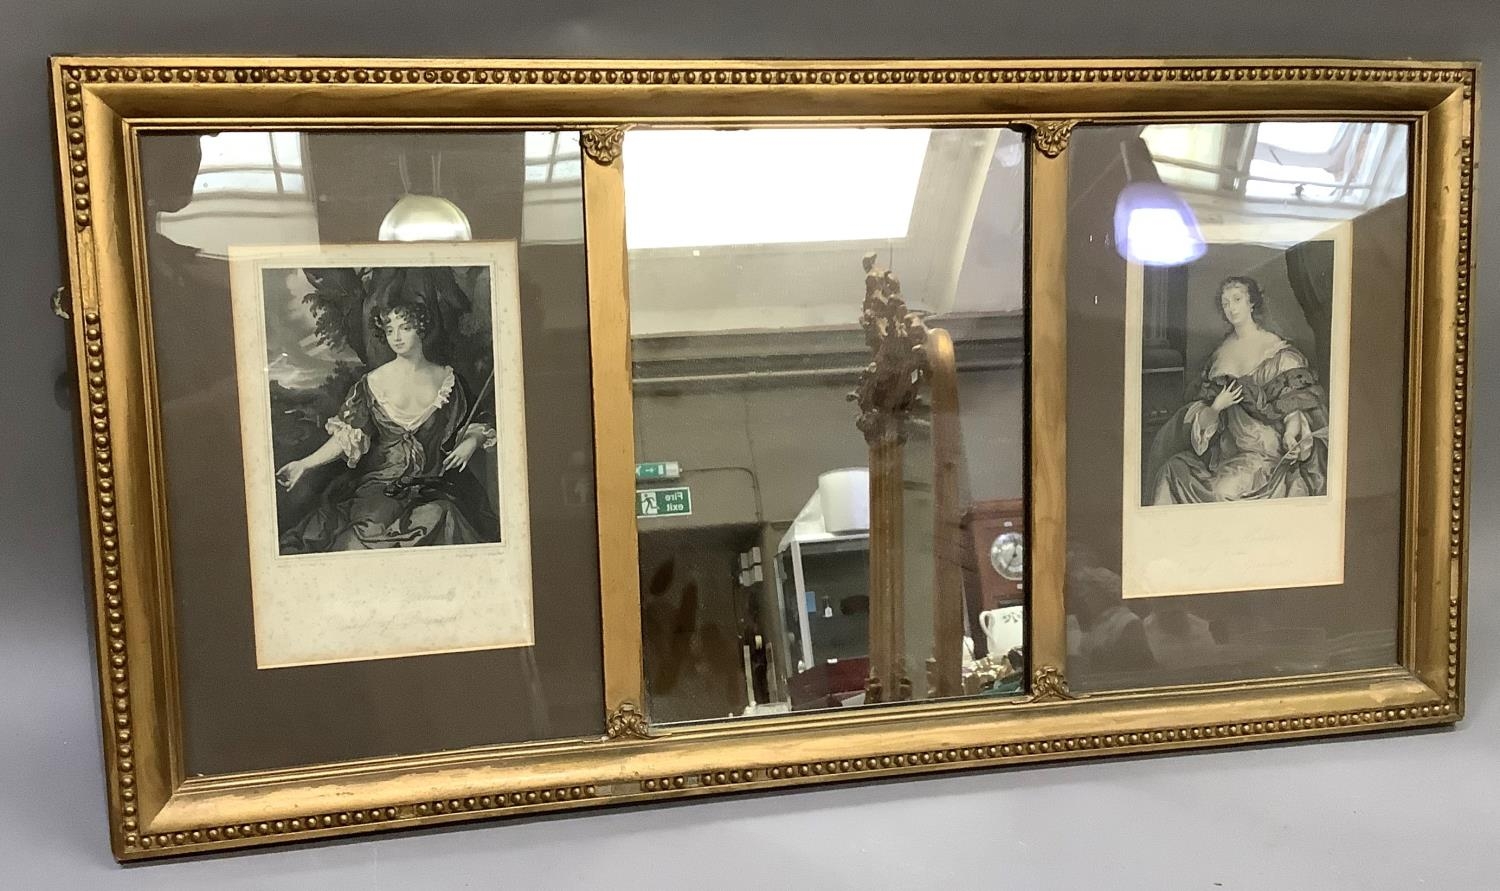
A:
(1004, 629)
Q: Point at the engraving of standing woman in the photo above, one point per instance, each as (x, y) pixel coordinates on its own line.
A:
(1257, 424)
(407, 432)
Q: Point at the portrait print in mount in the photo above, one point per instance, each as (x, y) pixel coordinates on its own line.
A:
(384, 448)
(382, 411)
(1236, 419)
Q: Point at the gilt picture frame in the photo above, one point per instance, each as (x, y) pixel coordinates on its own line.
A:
(104, 107)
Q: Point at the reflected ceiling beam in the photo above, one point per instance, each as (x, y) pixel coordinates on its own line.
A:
(684, 363)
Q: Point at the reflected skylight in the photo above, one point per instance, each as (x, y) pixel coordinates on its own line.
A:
(1304, 165)
(1269, 179)
(703, 188)
(1199, 148)
(252, 187)
(252, 162)
(1300, 136)
(552, 201)
(553, 157)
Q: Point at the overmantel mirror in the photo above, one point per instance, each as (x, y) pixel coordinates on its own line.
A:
(470, 438)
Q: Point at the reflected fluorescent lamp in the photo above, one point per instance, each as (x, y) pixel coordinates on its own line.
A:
(424, 217)
(1153, 224)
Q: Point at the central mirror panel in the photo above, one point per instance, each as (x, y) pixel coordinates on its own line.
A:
(829, 371)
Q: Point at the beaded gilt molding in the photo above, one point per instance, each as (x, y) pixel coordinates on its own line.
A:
(896, 763)
(84, 91)
(739, 73)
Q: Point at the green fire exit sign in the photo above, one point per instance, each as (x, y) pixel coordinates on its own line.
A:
(673, 502)
(658, 470)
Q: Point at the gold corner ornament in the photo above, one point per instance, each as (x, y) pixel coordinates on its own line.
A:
(603, 144)
(1051, 137)
(627, 722)
(1049, 685)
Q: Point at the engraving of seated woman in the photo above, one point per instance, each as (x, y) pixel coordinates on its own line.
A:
(1256, 424)
(407, 431)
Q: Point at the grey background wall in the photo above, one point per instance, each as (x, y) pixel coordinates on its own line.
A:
(1375, 812)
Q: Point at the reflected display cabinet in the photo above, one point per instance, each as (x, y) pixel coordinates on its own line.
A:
(469, 438)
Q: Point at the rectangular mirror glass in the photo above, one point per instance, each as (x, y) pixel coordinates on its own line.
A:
(827, 331)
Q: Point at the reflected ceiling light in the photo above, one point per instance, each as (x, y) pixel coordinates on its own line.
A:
(424, 217)
(703, 188)
(1153, 224)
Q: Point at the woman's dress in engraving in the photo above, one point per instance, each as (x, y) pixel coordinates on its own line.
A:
(395, 493)
(1243, 452)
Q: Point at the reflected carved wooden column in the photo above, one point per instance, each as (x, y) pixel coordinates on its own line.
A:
(888, 390)
(945, 666)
